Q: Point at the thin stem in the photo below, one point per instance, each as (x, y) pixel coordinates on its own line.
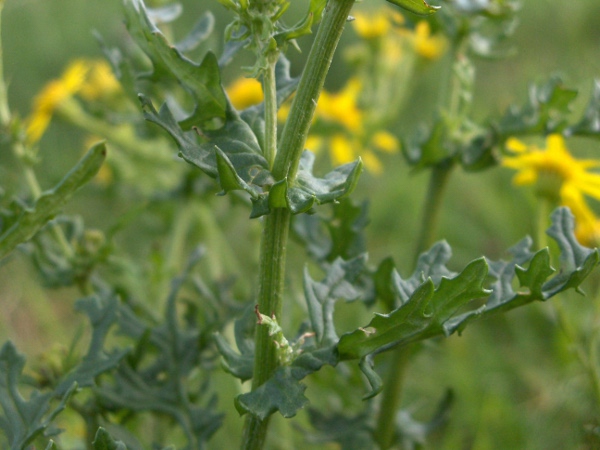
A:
(270, 95)
(544, 205)
(4, 110)
(391, 395)
(438, 181)
(276, 226)
(303, 107)
(391, 398)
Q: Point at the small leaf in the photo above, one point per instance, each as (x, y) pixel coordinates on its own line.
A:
(416, 6)
(589, 125)
(366, 366)
(281, 393)
(235, 140)
(50, 202)
(321, 296)
(104, 441)
(284, 392)
(102, 312)
(200, 33)
(308, 190)
(545, 111)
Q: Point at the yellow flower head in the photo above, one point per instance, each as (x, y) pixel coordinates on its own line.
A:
(558, 176)
(245, 92)
(53, 94)
(554, 161)
(376, 25)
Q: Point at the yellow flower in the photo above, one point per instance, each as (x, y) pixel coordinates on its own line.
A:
(376, 25)
(387, 26)
(427, 45)
(340, 112)
(555, 162)
(342, 107)
(100, 82)
(559, 177)
(245, 92)
(50, 98)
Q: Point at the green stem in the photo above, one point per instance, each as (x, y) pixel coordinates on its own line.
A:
(276, 227)
(391, 395)
(270, 95)
(438, 181)
(4, 110)
(391, 398)
(545, 206)
(270, 295)
(303, 107)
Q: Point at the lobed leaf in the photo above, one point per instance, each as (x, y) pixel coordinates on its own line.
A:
(426, 311)
(102, 312)
(23, 420)
(423, 315)
(202, 80)
(339, 283)
(284, 392)
(171, 353)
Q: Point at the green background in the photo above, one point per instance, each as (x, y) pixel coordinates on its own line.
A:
(517, 380)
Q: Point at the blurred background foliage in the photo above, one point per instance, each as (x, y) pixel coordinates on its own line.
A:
(516, 378)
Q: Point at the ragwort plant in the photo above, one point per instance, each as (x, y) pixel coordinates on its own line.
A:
(147, 377)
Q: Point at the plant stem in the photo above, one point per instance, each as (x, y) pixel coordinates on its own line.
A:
(303, 107)
(438, 180)
(391, 394)
(276, 226)
(391, 398)
(270, 295)
(270, 95)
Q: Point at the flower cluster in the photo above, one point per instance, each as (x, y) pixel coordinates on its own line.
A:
(559, 178)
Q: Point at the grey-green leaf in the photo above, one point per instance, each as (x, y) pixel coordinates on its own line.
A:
(202, 80)
(50, 202)
(24, 420)
(422, 316)
(308, 190)
(104, 441)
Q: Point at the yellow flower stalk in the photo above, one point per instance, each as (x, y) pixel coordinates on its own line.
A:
(559, 177)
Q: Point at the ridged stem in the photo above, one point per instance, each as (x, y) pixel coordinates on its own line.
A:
(276, 226)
